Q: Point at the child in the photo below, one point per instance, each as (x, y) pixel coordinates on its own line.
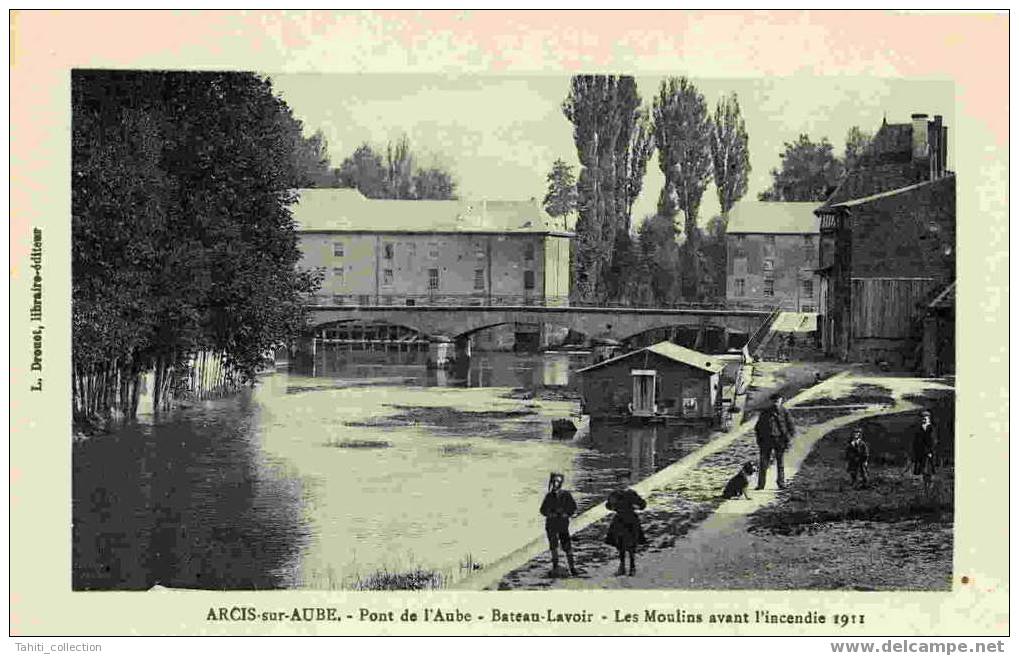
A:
(557, 507)
(625, 532)
(857, 457)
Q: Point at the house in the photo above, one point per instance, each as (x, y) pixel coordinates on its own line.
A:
(887, 245)
(449, 252)
(663, 380)
(772, 255)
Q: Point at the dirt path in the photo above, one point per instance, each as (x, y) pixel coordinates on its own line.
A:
(722, 540)
(490, 576)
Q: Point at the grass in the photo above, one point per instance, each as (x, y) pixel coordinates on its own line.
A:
(409, 577)
(889, 535)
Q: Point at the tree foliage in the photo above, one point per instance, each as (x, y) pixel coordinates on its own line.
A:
(610, 131)
(857, 142)
(683, 134)
(561, 196)
(730, 152)
(182, 237)
(394, 175)
(809, 172)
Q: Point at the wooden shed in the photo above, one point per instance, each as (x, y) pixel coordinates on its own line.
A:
(663, 380)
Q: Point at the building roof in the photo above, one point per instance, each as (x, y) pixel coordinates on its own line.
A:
(886, 194)
(347, 210)
(710, 363)
(773, 218)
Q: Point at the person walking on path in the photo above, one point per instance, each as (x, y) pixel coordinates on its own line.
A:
(857, 458)
(625, 532)
(557, 507)
(925, 444)
(774, 431)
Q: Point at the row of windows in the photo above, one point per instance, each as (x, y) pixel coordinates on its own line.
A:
(806, 287)
(433, 278)
(389, 250)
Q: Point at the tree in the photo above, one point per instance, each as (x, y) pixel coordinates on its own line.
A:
(313, 161)
(661, 276)
(182, 237)
(561, 198)
(396, 176)
(363, 170)
(683, 135)
(608, 129)
(399, 170)
(713, 250)
(730, 153)
(434, 183)
(857, 142)
(809, 172)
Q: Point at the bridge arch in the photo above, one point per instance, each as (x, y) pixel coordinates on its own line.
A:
(617, 323)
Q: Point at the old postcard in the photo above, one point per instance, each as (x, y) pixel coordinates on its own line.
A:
(507, 323)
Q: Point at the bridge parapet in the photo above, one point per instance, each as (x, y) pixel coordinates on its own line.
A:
(617, 323)
(485, 300)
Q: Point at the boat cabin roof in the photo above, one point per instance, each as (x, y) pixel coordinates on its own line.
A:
(709, 363)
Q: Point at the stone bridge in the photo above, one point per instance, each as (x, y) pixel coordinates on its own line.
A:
(460, 321)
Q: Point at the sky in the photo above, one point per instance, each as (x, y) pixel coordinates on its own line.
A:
(499, 135)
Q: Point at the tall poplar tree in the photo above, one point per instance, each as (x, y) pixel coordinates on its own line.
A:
(609, 130)
(730, 154)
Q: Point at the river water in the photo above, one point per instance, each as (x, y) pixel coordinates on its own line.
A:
(319, 481)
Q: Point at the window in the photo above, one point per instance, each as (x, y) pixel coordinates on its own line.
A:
(433, 279)
(387, 251)
(808, 289)
(364, 299)
(433, 251)
(339, 299)
(529, 252)
(387, 277)
(807, 307)
(741, 287)
(528, 280)
(338, 274)
(479, 279)
(769, 240)
(769, 265)
(337, 249)
(740, 246)
(769, 287)
(479, 251)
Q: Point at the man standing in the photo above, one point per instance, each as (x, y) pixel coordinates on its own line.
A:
(774, 431)
(557, 507)
(925, 444)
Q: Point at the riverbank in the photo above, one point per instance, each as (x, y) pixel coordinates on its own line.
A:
(696, 540)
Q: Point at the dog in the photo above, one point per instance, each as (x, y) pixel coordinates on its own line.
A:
(739, 483)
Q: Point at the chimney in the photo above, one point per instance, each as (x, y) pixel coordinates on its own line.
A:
(919, 136)
(934, 142)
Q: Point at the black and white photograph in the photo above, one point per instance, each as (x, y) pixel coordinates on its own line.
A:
(401, 332)
(509, 322)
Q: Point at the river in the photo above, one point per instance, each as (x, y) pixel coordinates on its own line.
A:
(320, 481)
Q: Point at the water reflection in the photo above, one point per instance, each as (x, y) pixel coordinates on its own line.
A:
(316, 481)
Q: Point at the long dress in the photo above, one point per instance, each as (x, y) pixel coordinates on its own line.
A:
(625, 531)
